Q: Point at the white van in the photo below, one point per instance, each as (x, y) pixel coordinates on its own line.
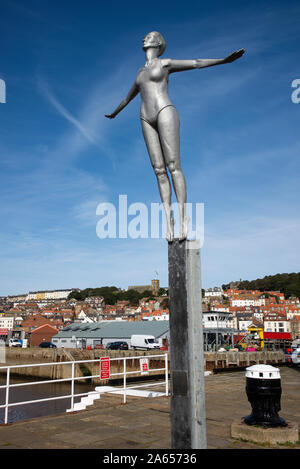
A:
(144, 342)
(15, 343)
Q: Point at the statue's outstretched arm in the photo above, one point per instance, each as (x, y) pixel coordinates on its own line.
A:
(182, 65)
(131, 95)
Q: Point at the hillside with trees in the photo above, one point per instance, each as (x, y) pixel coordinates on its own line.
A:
(112, 295)
(289, 284)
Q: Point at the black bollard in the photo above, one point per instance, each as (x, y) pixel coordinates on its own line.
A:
(263, 388)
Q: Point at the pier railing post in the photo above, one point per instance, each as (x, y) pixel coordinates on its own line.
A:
(7, 395)
(124, 382)
(188, 416)
(72, 385)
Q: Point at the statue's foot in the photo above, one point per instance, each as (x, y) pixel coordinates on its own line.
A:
(170, 231)
(184, 229)
(170, 237)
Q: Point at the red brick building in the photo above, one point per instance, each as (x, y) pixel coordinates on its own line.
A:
(42, 333)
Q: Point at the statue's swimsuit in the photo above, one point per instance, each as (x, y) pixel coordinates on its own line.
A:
(152, 82)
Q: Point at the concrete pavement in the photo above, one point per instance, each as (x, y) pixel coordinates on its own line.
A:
(144, 423)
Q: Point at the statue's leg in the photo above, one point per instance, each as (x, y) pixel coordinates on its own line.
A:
(157, 160)
(168, 128)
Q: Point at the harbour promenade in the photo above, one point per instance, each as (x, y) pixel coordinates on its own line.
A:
(144, 423)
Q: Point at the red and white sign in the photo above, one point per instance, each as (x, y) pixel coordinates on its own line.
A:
(144, 364)
(104, 368)
(3, 331)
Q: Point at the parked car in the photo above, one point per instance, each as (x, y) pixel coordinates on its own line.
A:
(15, 343)
(47, 345)
(117, 346)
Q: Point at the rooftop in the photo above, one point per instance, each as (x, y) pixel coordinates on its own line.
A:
(116, 329)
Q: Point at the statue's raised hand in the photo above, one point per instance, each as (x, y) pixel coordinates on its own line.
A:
(234, 56)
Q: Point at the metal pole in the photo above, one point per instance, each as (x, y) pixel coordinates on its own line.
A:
(188, 419)
(196, 346)
(7, 395)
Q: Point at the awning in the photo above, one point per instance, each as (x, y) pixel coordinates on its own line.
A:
(3, 331)
(277, 335)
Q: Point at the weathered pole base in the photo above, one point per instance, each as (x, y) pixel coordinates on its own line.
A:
(188, 419)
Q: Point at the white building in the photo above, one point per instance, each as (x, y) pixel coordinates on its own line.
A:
(290, 314)
(83, 317)
(157, 317)
(280, 325)
(232, 322)
(215, 319)
(211, 292)
(221, 308)
(49, 295)
(6, 322)
(241, 302)
(248, 302)
(259, 315)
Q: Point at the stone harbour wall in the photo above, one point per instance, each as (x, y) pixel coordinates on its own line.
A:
(214, 361)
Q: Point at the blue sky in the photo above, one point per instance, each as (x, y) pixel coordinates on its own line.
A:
(66, 64)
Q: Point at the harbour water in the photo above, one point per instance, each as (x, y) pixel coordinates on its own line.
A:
(38, 391)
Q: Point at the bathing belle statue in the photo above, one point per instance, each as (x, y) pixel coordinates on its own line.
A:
(160, 121)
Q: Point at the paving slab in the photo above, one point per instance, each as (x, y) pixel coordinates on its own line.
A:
(144, 423)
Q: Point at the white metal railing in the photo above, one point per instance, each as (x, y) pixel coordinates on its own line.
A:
(124, 373)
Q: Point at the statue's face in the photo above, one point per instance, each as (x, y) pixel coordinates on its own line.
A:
(150, 40)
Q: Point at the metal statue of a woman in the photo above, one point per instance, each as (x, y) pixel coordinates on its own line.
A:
(160, 121)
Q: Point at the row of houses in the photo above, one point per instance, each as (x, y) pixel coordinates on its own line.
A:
(42, 295)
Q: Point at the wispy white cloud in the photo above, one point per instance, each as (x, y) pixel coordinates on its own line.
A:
(48, 94)
(90, 126)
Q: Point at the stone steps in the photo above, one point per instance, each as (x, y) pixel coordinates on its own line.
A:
(94, 395)
(85, 401)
